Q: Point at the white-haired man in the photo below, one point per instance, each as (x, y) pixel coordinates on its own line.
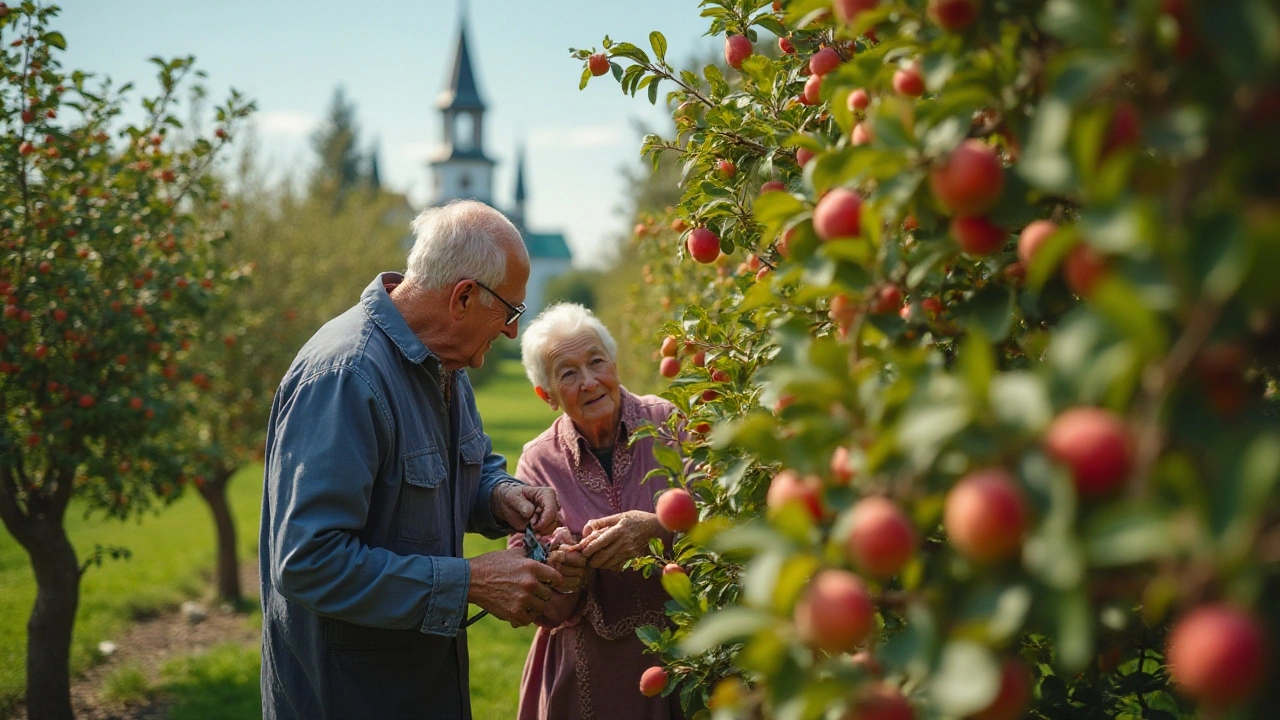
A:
(376, 464)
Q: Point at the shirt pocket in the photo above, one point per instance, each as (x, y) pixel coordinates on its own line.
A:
(472, 453)
(424, 498)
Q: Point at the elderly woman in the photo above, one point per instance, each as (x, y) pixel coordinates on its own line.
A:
(586, 660)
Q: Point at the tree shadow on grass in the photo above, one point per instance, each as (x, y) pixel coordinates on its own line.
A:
(220, 683)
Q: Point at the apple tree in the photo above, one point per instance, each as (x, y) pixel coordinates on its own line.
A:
(107, 230)
(974, 326)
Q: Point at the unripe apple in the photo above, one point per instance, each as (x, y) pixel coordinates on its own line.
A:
(886, 300)
(772, 186)
(970, 181)
(703, 245)
(1218, 654)
(908, 81)
(882, 702)
(789, 487)
(954, 15)
(736, 49)
(803, 156)
(812, 90)
(861, 134)
(1032, 237)
(1014, 696)
(672, 569)
(838, 214)
(1095, 444)
(669, 367)
(676, 510)
(670, 346)
(1124, 130)
(1083, 268)
(653, 681)
(784, 44)
(847, 11)
(978, 235)
(824, 61)
(881, 537)
(842, 312)
(727, 168)
(598, 64)
(836, 613)
(858, 100)
(986, 515)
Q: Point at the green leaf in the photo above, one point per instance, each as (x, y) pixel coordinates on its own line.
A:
(659, 44)
(55, 39)
(770, 23)
(1074, 632)
(1020, 399)
(989, 310)
(723, 627)
(1128, 533)
(977, 362)
(1045, 163)
(586, 77)
(679, 588)
(967, 679)
(1079, 23)
(653, 92)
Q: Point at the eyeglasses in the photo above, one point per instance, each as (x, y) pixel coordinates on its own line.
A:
(513, 311)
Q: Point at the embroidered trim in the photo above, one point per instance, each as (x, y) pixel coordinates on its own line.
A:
(624, 627)
(583, 675)
(589, 472)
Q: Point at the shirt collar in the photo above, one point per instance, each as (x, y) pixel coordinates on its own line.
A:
(573, 441)
(378, 306)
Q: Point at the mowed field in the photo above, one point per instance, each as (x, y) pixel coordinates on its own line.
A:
(172, 561)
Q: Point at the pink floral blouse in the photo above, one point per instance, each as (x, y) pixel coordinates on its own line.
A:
(589, 666)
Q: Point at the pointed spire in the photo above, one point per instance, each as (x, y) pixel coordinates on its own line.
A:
(462, 92)
(375, 175)
(517, 214)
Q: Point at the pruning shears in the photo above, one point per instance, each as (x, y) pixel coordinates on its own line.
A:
(534, 549)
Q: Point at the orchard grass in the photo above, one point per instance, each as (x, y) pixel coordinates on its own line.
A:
(172, 561)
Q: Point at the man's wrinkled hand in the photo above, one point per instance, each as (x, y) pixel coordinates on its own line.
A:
(520, 505)
(609, 542)
(572, 566)
(511, 586)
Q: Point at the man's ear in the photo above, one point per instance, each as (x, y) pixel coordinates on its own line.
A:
(546, 397)
(460, 299)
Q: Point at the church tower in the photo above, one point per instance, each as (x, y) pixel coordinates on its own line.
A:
(460, 168)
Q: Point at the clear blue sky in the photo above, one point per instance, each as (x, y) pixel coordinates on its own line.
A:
(393, 57)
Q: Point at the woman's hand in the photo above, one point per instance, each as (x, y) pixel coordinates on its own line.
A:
(572, 566)
(609, 542)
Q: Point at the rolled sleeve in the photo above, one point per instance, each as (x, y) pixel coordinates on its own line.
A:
(447, 608)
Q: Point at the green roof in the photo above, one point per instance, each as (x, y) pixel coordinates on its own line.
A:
(546, 245)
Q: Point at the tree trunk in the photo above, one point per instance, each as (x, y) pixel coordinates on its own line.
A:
(36, 524)
(52, 619)
(228, 570)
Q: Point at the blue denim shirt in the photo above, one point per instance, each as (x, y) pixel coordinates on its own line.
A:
(369, 487)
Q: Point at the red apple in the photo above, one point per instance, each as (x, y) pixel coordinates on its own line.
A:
(824, 61)
(882, 702)
(842, 470)
(670, 346)
(908, 81)
(672, 569)
(910, 223)
(881, 537)
(954, 15)
(700, 358)
(986, 515)
(803, 156)
(861, 134)
(772, 186)
(736, 49)
(719, 376)
(932, 307)
(669, 367)
(26, 148)
(836, 613)
(1014, 696)
(847, 11)
(838, 214)
(784, 44)
(1095, 444)
(1218, 654)
(653, 681)
(87, 401)
(1083, 268)
(812, 90)
(703, 245)
(970, 181)
(978, 235)
(788, 487)
(1032, 237)
(727, 168)
(598, 64)
(676, 510)
(886, 300)
(1124, 130)
(858, 100)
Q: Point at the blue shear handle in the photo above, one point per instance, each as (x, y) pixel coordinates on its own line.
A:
(533, 549)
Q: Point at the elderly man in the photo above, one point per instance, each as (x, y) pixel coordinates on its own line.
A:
(376, 464)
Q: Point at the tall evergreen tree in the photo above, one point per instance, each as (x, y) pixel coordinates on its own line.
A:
(337, 142)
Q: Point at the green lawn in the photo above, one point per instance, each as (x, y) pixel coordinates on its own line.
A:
(172, 560)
